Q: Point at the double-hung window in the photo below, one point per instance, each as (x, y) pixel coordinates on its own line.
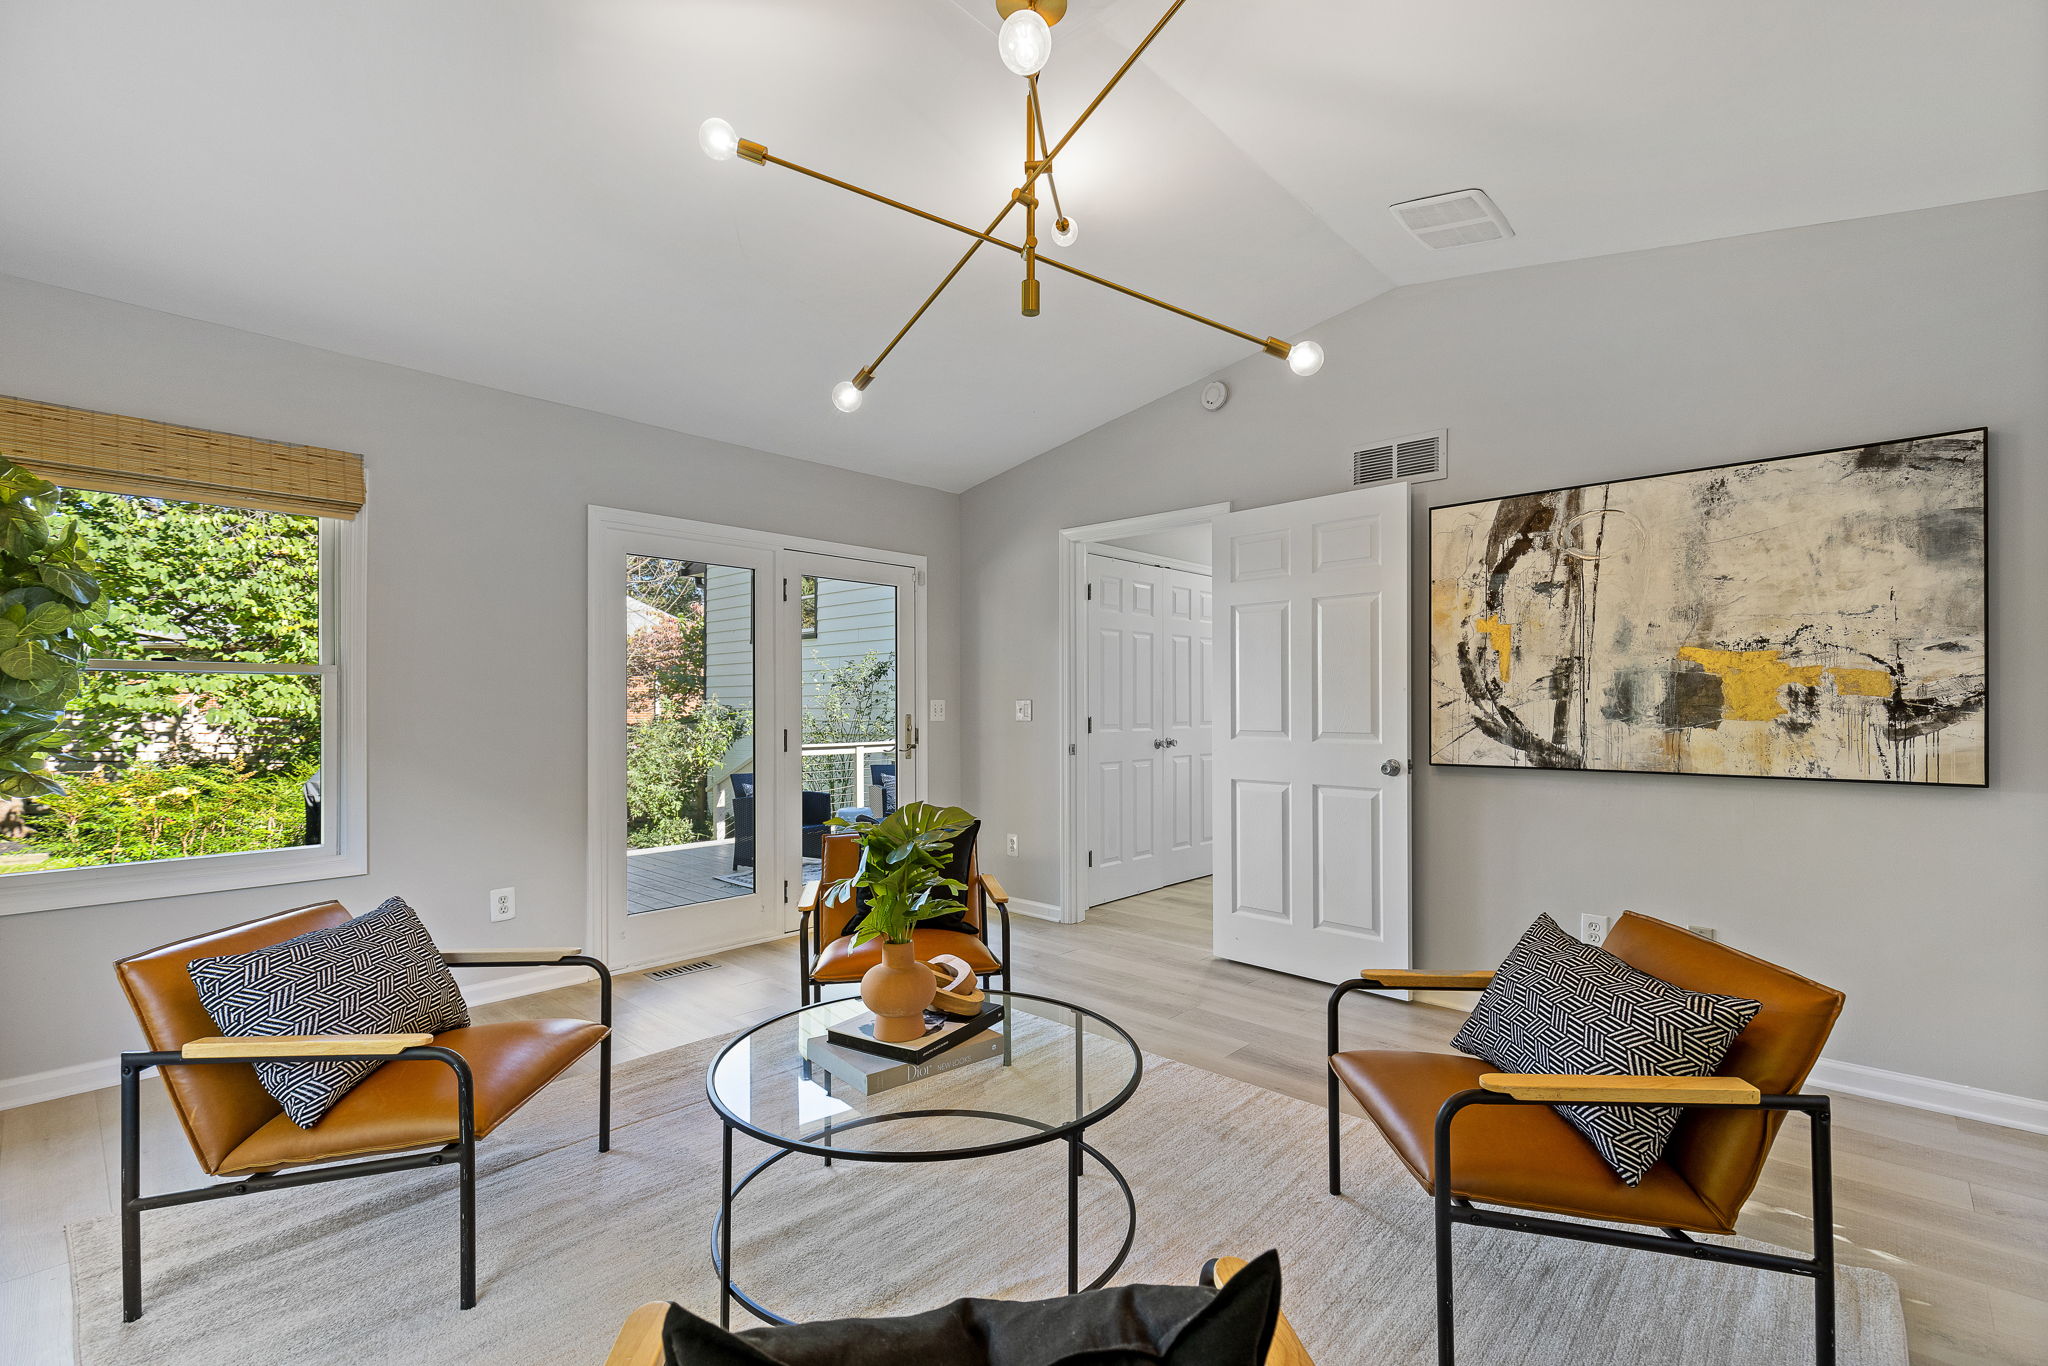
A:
(214, 740)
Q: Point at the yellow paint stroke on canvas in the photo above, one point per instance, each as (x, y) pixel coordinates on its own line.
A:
(1861, 682)
(1502, 635)
(1751, 679)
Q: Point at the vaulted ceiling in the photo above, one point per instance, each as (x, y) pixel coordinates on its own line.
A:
(510, 191)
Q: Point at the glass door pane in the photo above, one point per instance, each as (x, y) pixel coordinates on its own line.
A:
(852, 714)
(691, 821)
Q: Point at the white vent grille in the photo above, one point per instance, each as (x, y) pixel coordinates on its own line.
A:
(1459, 219)
(1411, 459)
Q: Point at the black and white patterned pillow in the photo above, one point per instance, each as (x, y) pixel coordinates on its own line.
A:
(1559, 1006)
(378, 974)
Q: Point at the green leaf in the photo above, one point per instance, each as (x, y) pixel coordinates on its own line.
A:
(80, 588)
(31, 662)
(47, 619)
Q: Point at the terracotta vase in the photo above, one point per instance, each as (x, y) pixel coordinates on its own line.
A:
(897, 990)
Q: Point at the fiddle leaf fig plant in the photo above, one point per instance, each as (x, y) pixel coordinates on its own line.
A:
(50, 607)
(903, 861)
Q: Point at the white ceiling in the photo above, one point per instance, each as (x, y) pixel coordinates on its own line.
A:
(510, 191)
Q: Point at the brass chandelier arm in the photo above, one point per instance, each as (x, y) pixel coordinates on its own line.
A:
(1268, 343)
(1103, 93)
(1014, 248)
(1038, 117)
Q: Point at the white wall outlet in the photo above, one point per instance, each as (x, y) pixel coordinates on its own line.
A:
(938, 709)
(1013, 846)
(1023, 709)
(1705, 931)
(1593, 930)
(501, 904)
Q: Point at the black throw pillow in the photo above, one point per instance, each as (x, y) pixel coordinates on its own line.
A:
(1559, 1006)
(961, 858)
(1131, 1325)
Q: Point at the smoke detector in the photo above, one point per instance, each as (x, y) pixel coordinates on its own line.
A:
(1461, 218)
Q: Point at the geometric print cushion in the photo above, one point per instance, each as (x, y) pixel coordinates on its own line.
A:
(1559, 1006)
(378, 974)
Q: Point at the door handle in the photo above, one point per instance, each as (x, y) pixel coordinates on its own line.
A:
(1159, 744)
(909, 733)
(1170, 744)
(1392, 768)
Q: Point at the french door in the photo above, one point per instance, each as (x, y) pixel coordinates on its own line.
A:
(743, 693)
(1148, 772)
(1312, 781)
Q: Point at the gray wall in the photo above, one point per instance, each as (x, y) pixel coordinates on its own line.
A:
(1929, 907)
(476, 736)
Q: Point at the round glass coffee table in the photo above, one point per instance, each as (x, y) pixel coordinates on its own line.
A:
(1047, 1071)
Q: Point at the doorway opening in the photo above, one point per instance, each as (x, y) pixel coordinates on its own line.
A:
(1140, 610)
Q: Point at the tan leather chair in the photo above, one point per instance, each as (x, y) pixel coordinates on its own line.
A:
(639, 1342)
(437, 1092)
(826, 954)
(1513, 1150)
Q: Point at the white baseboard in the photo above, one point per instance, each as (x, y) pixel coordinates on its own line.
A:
(92, 1076)
(63, 1081)
(528, 983)
(1925, 1093)
(1037, 910)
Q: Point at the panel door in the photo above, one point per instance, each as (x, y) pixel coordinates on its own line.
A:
(1188, 771)
(1126, 732)
(1312, 784)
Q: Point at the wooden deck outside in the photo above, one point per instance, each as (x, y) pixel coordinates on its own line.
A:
(657, 879)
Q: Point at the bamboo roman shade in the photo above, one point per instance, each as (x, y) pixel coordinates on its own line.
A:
(113, 454)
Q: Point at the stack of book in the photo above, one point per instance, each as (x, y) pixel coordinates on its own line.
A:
(852, 1054)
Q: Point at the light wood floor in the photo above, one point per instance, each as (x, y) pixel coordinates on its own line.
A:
(1957, 1211)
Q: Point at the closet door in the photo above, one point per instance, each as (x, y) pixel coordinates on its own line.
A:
(1125, 728)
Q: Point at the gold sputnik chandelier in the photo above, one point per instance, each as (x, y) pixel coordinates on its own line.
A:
(1024, 43)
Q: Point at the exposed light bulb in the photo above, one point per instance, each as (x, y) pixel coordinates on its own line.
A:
(1065, 230)
(1025, 42)
(1305, 358)
(845, 397)
(718, 139)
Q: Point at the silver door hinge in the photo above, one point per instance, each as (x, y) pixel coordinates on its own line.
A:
(1071, 750)
(785, 590)
(785, 739)
(1091, 725)
(785, 891)
(1091, 592)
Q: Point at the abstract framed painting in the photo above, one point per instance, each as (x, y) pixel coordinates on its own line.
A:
(1816, 616)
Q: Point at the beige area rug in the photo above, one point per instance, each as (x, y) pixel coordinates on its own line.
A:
(363, 1272)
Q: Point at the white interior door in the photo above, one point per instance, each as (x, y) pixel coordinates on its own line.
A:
(1150, 630)
(1188, 775)
(1312, 762)
(1125, 731)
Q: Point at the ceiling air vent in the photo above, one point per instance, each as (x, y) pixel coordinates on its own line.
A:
(1411, 459)
(1458, 219)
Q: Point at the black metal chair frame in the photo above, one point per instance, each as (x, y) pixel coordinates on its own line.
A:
(810, 946)
(462, 1151)
(1452, 1210)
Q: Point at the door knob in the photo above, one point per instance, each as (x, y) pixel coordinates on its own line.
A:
(1392, 768)
(1170, 744)
(1159, 744)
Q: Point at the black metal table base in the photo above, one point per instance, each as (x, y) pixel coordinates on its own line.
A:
(1077, 1147)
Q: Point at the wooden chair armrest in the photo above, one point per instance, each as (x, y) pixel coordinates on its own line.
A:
(1433, 981)
(1287, 1349)
(993, 890)
(639, 1342)
(807, 903)
(468, 957)
(302, 1045)
(1622, 1090)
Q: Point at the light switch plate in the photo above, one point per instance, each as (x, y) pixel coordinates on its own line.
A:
(1023, 709)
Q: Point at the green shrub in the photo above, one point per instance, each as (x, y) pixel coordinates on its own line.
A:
(148, 812)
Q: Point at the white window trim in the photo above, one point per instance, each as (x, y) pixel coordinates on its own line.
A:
(344, 805)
